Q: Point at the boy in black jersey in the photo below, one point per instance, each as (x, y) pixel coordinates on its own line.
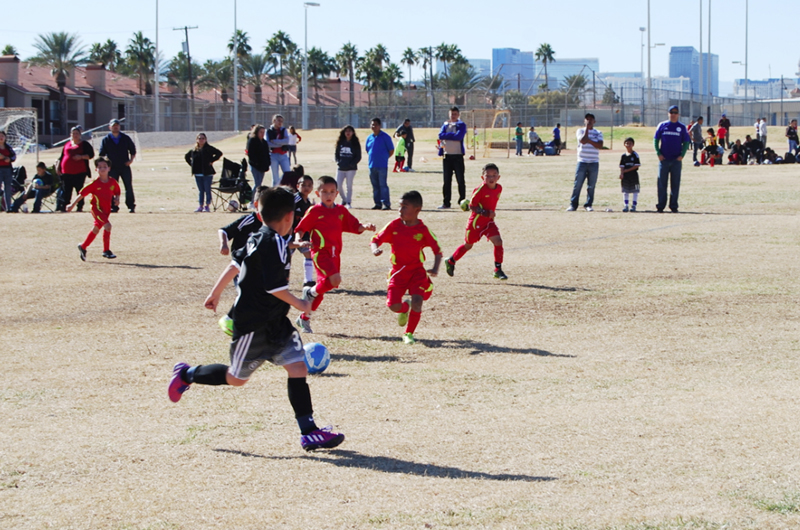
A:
(305, 185)
(261, 329)
(238, 231)
(629, 175)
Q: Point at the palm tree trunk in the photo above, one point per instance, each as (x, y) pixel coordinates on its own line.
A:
(352, 95)
(62, 110)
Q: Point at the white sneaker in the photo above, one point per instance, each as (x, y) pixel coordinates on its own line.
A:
(570, 209)
(588, 208)
(303, 324)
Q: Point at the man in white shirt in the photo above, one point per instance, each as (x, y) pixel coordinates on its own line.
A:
(762, 132)
(590, 141)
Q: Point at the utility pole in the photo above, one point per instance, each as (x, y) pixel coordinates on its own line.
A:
(156, 109)
(185, 30)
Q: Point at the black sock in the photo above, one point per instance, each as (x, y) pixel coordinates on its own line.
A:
(207, 374)
(300, 399)
(498, 266)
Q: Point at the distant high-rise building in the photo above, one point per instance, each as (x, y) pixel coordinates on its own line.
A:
(483, 67)
(684, 61)
(563, 68)
(515, 67)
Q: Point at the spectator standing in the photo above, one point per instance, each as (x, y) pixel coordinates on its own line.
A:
(671, 141)
(7, 156)
(201, 159)
(258, 156)
(278, 139)
(451, 137)
(379, 148)
(120, 151)
(347, 155)
(74, 167)
(534, 142)
(791, 135)
(724, 123)
(294, 139)
(518, 138)
(696, 134)
(557, 137)
(762, 132)
(590, 141)
(409, 130)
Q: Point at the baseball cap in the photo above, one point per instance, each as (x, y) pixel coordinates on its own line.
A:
(723, 115)
(113, 122)
(674, 107)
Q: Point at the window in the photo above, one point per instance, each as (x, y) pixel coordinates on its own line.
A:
(89, 107)
(72, 109)
(54, 114)
(2, 101)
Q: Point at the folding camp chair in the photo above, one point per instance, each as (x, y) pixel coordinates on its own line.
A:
(232, 182)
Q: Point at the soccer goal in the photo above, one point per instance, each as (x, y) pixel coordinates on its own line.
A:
(491, 129)
(22, 133)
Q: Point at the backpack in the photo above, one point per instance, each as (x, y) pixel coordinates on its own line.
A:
(789, 158)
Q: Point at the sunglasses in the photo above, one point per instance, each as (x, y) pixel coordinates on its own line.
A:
(673, 112)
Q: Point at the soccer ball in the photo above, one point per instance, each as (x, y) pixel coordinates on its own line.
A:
(38, 182)
(464, 205)
(233, 206)
(317, 357)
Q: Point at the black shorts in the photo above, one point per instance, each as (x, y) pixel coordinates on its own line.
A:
(250, 350)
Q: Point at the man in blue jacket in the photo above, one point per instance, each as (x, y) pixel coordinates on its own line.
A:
(379, 148)
(451, 137)
(671, 142)
(120, 150)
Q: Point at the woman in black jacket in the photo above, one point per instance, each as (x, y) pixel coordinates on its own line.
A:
(201, 159)
(348, 155)
(258, 154)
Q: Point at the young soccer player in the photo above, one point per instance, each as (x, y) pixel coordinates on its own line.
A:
(301, 205)
(408, 236)
(261, 329)
(400, 153)
(629, 175)
(481, 221)
(326, 222)
(234, 236)
(105, 193)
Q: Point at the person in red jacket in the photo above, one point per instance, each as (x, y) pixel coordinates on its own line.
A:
(73, 164)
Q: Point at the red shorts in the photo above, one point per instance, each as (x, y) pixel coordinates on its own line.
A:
(100, 218)
(414, 281)
(475, 234)
(326, 264)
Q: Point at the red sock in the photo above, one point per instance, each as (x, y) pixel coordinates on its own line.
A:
(413, 320)
(498, 254)
(316, 301)
(459, 253)
(106, 240)
(89, 239)
(404, 308)
(323, 286)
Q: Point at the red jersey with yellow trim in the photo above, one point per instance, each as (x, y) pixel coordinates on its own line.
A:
(483, 197)
(407, 243)
(103, 194)
(326, 226)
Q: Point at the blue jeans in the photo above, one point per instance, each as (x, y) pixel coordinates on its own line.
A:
(380, 188)
(258, 177)
(6, 176)
(519, 146)
(282, 162)
(793, 147)
(585, 171)
(204, 188)
(669, 170)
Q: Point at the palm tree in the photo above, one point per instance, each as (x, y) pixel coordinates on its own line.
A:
(241, 41)
(545, 54)
(463, 78)
(369, 72)
(255, 66)
(380, 55)
(141, 55)
(178, 72)
(61, 52)
(106, 53)
(426, 56)
(409, 59)
(574, 87)
(320, 65)
(218, 76)
(346, 61)
(9, 50)
(280, 45)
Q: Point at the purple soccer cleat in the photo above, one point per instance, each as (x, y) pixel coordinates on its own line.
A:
(323, 438)
(177, 386)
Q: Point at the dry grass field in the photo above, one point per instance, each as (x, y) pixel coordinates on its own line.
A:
(636, 371)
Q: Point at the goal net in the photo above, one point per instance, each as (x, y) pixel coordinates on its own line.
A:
(19, 125)
(490, 129)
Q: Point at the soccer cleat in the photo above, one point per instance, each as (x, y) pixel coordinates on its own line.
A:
(408, 338)
(226, 324)
(307, 296)
(323, 438)
(83, 252)
(177, 386)
(626, 209)
(633, 208)
(304, 324)
(450, 266)
(402, 318)
(108, 254)
(310, 283)
(500, 275)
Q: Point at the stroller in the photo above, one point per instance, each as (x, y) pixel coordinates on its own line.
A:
(232, 183)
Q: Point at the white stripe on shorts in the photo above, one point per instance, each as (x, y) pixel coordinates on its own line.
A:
(241, 353)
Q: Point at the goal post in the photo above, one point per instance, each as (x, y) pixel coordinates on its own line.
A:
(491, 129)
(22, 131)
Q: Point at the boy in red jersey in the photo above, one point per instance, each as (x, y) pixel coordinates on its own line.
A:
(481, 221)
(408, 235)
(325, 222)
(105, 194)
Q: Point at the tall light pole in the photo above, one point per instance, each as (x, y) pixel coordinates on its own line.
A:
(235, 71)
(708, 66)
(306, 5)
(746, 24)
(641, 60)
(649, 83)
(155, 75)
(700, 77)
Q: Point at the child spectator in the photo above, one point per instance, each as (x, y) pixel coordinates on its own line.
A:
(39, 190)
(301, 205)
(291, 147)
(722, 133)
(791, 135)
(481, 221)
(400, 153)
(629, 165)
(710, 152)
(347, 155)
(261, 330)
(696, 134)
(557, 138)
(754, 149)
(106, 194)
(534, 142)
(408, 236)
(738, 154)
(326, 222)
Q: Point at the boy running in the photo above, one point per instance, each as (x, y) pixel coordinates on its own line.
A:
(105, 194)
(261, 329)
(326, 222)
(238, 231)
(481, 221)
(408, 236)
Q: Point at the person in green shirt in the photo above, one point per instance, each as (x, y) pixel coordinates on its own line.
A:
(518, 136)
(400, 154)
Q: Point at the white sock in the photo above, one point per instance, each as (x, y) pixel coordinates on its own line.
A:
(625, 198)
(635, 197)
(308, 270)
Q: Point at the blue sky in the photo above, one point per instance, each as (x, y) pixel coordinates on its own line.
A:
(580, 28)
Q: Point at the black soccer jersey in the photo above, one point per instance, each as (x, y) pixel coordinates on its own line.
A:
(301, 206)
(264, 264)
(630, 180)
(239, 230)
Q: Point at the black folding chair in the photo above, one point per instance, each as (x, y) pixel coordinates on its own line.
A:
(231, 183)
